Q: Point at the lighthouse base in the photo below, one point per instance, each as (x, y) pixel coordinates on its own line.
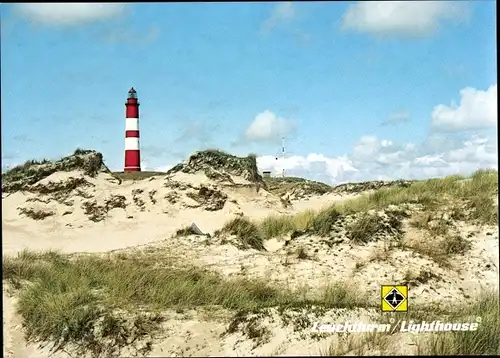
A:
(131, 169)
(132, 156)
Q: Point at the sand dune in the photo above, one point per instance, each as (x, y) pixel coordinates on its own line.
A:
(77, 211)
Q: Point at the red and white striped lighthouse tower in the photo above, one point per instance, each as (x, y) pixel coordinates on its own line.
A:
(132, 150)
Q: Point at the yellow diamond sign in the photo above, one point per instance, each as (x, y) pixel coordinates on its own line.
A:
(394, 298)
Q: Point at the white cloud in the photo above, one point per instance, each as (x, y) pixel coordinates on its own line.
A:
(281, 13)
(401, 18)
(476, 149)
(267, 126)
(314, 166)
(375, 159)
(366, 147)
(477, 110)
(438, 142)
(69, 13)
(430, 161)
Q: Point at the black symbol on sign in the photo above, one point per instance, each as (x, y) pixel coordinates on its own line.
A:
(394, 298)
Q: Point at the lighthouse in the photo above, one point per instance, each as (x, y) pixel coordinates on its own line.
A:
(132, 150)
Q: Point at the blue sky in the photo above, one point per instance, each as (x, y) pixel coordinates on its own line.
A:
(360, 91)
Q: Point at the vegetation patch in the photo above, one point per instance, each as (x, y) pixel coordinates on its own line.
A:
(211, 199)
(297, 314)
(246, 232)
(484, 341)
(276, 226)
(94, 211)
(36, 214)
(22, 177)
(60, 188)
(189, 230)
(325, 220)
(428, 221)
(250, 324)
(138, 200)
(214, 174)
(441, 250)
(300, 318)
(483, 208)
(456, 245)
(342, 295)
(371, 227)
(38, 200)
(361, 344)
(452, 192)
(83, 194)
(152, 194)
(97, 212)
(221, 162)
(115, 201)
(424, 276)
(172, 197)
(299, 186)
(350, 188)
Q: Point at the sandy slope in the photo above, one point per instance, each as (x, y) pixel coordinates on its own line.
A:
(152, 217)
(130, 227)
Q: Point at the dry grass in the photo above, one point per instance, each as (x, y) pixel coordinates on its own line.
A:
(363, 229)
(280, 186)
(454, 192)
(381, 254)
(441, 250)
(303, 220)
(102, 304)
(323, 222)
(475, 194)
(276, 226)
(484, 341)
(96, 212)
(246, 232)
(427, 221)
(359, 344)
(432, 193)
(185, 231)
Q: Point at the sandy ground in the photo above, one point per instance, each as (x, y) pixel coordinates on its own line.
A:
(130, 227)
(150, 220)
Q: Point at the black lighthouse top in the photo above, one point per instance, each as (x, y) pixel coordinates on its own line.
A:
(132, 93)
